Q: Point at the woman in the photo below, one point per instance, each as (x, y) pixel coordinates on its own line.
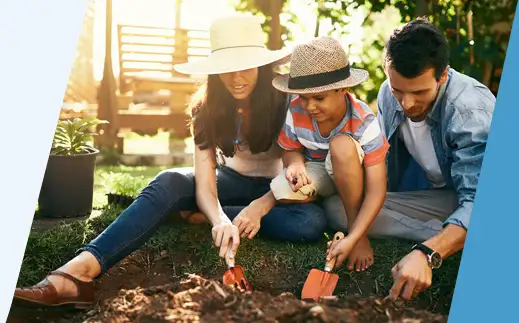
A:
(238, 114)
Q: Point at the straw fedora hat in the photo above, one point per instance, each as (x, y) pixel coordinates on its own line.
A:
(237, 43)
(318, 66)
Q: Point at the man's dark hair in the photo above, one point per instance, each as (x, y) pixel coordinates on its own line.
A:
(417, 46)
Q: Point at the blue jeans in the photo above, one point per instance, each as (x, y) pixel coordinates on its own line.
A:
(173, 191)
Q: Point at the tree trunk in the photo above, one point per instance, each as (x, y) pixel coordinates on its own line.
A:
(488, 69)
(275, 7)
(318, 18)
(422, 8)
(107, 99)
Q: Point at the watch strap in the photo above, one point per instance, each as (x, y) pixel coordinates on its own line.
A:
(423, 248)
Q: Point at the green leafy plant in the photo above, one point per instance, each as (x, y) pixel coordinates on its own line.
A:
(73, 136)
(123, 184)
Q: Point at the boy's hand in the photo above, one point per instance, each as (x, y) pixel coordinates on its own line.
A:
(297, 176)
(341, 250)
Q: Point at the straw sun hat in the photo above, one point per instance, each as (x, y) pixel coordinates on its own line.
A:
(237, 43)
(318, 66)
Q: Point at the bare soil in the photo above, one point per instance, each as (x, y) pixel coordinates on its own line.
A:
(120, 298)
(196, 299)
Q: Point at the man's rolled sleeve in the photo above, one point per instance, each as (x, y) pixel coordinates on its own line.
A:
(468, 136)
(460, 217)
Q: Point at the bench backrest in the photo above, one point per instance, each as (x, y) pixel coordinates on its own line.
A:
(151, 52)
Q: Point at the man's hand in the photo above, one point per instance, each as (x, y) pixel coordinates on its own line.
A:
(249, 220)
(412, 275)
(225, 235)
(297, 176)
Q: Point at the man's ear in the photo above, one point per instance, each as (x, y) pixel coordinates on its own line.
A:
(445, 75)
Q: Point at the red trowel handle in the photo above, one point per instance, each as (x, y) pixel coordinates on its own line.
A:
(329, 265)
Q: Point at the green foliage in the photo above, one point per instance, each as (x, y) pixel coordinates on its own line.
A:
(479, 56)
(123, 184)
(378, 19)
(261, 8)
(73, 136)
(487, 44)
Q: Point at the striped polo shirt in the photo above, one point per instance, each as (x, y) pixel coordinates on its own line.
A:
(300, 130)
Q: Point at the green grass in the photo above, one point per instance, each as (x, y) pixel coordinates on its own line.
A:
(271, 266)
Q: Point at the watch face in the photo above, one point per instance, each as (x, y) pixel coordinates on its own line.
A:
(436, 260)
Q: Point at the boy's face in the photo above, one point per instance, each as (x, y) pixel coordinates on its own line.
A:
(324, 106)
(416, 95)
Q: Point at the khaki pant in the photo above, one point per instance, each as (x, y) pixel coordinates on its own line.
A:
(415, 216)
(322, 177)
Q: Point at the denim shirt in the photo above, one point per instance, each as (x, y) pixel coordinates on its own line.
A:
(460, 123)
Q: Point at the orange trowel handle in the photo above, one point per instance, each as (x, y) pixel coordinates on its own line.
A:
(228, 259)
(328, 266)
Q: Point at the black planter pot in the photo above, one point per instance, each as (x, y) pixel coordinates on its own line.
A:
(68, 186)
(121, 200)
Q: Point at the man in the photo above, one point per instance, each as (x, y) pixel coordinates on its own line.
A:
(436, 121)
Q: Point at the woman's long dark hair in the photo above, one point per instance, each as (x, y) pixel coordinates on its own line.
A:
(213, 113)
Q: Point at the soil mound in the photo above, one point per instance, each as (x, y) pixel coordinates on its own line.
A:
(196, 299)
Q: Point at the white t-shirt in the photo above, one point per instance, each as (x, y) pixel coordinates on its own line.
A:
(418, 140)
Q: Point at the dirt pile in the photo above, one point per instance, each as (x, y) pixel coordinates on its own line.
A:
(199, 300)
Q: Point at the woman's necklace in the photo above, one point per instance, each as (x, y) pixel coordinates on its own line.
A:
(238, 141)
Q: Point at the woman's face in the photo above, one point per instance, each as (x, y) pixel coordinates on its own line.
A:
(240, 84)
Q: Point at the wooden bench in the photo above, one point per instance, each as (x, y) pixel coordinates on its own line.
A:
(146, 59)
(147, 56)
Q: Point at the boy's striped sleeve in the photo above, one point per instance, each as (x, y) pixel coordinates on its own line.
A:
(287, 137)
(373, 142)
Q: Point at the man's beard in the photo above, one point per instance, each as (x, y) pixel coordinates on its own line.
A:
(424, 114)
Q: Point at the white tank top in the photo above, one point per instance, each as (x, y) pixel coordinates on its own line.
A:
(267, 164)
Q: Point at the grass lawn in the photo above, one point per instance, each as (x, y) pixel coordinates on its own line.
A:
(271, 266)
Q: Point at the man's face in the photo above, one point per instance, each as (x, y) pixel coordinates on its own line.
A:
(324, 106)
(416, 95)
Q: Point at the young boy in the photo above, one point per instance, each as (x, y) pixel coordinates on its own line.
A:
(333, 144)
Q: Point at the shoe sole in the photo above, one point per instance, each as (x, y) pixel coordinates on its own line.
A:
(72, 305)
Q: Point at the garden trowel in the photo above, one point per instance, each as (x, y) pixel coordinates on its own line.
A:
(235, 275)
(322, 283)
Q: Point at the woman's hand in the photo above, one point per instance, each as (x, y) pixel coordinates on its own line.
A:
(249, 219)
(297, 176)
(225, 236)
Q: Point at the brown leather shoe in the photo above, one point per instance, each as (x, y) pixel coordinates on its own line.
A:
(45, 294)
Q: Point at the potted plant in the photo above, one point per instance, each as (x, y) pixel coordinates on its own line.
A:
(68, 184)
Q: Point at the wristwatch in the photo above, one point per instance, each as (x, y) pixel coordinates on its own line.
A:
(434, 258)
